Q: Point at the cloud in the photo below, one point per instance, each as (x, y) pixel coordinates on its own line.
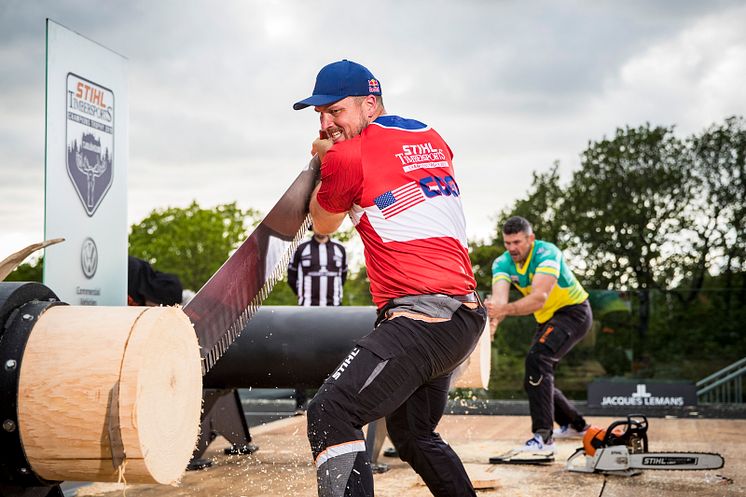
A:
(690, 80)
(512, 86)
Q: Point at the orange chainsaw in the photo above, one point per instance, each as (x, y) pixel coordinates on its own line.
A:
(622, 449)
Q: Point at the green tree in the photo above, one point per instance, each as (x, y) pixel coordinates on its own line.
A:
(623, 210)
(482, 256)
(357, 286)
(191, 242)
(28, 271)
(281, 294)
(712, 294)
(720, 175)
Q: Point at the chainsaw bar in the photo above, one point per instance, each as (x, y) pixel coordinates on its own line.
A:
(676, 460)
(617, 460)
(223, 306)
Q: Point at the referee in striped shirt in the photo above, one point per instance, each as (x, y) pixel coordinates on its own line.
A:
(318, 271)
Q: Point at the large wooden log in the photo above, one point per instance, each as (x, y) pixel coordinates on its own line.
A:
(474, 372)
(98, 384)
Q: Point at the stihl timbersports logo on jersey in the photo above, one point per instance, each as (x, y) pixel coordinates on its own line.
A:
(421, 156)
(90, 140)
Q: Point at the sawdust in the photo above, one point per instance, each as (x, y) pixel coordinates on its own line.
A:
(283, 467)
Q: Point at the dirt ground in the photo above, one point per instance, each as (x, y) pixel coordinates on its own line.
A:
(282, 467)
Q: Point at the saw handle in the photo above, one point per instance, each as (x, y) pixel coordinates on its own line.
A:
(634, 434)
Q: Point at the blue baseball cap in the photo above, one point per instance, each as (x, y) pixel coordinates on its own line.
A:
(339, 80)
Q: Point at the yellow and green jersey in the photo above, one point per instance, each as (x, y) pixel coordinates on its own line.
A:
(544, 258)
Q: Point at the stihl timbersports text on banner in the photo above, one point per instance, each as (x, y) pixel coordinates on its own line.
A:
(224, 305)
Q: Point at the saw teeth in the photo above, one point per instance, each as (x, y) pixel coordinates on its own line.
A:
(235, 329)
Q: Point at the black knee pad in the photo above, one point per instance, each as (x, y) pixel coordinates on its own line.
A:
(328, 420)
(318, 422)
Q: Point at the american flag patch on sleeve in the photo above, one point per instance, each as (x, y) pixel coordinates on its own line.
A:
(400, 199)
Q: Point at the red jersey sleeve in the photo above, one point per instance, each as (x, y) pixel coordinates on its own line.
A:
(341, 177)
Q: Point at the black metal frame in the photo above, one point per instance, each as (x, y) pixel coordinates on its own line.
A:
(222, 414)
(21, 304)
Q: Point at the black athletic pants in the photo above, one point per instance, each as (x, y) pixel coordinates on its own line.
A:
(400, 371)
(552, 341)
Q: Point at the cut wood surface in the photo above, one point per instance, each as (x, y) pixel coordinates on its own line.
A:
(481, 476)
(85, 369)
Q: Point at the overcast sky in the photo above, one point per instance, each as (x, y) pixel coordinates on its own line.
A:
(512, 86)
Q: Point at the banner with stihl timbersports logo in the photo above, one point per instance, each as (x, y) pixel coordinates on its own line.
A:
(86, 166)
(90, 140)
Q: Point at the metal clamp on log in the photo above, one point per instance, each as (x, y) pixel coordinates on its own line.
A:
(21, 304)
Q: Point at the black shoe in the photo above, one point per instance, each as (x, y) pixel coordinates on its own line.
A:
(391, 452)
(379, 468)
(197, 464)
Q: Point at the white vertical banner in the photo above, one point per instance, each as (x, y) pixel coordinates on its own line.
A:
(85, 170)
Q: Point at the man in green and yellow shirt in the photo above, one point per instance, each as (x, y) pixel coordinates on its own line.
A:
(560, 305)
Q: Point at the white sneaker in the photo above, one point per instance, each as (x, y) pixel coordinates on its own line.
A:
(537, 444)
(568, 431)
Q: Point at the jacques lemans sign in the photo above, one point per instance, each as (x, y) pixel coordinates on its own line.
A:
(607, 393)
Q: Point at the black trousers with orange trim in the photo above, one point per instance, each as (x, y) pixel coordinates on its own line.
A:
(552, 341)
(401, 371)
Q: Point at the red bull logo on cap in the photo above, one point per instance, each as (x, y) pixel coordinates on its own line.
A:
(373, 86)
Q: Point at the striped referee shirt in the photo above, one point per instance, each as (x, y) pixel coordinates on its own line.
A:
(317, 272)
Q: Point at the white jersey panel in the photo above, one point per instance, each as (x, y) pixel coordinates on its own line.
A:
(442, 216)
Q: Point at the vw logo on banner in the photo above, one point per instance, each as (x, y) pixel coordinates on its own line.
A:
(89, 258)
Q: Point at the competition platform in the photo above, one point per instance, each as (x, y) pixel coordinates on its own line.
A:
(283, 466)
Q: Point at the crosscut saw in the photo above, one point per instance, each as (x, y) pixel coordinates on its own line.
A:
(223, 306)
(622, 449)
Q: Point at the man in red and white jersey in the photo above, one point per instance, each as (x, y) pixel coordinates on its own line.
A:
(395, 179)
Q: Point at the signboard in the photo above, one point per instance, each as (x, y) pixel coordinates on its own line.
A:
(607, 393)
(85, 170)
